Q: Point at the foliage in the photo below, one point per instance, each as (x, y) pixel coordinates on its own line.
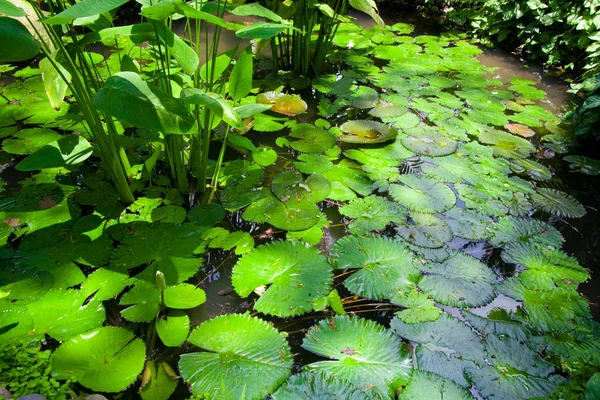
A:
(25, 369)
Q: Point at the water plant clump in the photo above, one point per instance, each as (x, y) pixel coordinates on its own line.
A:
(373, 234)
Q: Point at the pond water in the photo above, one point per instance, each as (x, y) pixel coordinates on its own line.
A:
(582, 235)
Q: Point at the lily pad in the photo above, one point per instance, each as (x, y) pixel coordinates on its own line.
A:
(311, 139)
(585, 165)
(364, 132)
(430, 144)
(362, 352)
(290, 186)
(461, 281)
(424, 230)
(429, 386)
(558, 203)
(286, 104)
(523, 230)
(27, 141)
(246, 352)
(173, 329)
(371, 213)
(311, 385)
(107, 359)
(422, 194)
(419, 307)
(521, 130)
(294, 215)
(296, 274)
(467, 224)
(385, 266)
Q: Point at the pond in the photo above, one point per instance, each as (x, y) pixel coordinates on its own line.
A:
(402, 226)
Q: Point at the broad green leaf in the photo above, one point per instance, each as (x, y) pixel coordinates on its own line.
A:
(311, 139)
(314, 385)
(178, 48)
(17, 42)
(445, 346)
(70, 150)
(429, 386)
(55, 85)
(524, 230)
(85, 8)
(262, 30)
(419, 307)
(173, 328)
(371, 213)
(558, 203)
(240, 80)
(361, 351)
(256, 10)
(215, 103)
(246, 352)
(425, 230)
(296, 275)
(365, 132)
(158, 381)
(10, 10)
(214, 68)
(369, 7)
(285, 104)
(385, 266)
(130, 98)
(104, 284)
(183, 296)
(422, 194)
(189, 11)
(105, 359)
(27, 141)
(461, 281)
(159, 10)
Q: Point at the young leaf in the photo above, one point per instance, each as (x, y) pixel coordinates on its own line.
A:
(55, 85)
(240, 80)
(85, 8)
(17, 42)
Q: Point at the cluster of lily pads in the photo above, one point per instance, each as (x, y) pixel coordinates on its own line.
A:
(447, 210)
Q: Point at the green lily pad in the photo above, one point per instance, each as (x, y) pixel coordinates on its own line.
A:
(428, 386)
(385, 266)
(430, 144)
(523, 230)
(528, 92)
(467, 224)
(364, 97)
(311, 385)
(158, 381)
(424, 230)
(173, 329)
(294, 215)
(419, 307)
(507, 145)
(183, 296)
(371, 213)
(585, 165)
(290, 186)
(558, 203)
(362, 131)
(361, 351)
(285, 104)
(546, 268)
(422, 194)
(444, 347)
(461, 281)
(296, 274)
(67, 151)
(312, 139)
(107, 359)
(246, 352)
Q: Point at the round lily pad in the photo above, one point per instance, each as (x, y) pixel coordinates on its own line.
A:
(361, 351)
(422, 194)
(296, 274)
(385, 265)
(311, 139)
(245, 358)
(286, 104)
(314, 385)
(430, 144)
(106, 359)
(425, 230)
(558, 203)
(362, 131)
(461, 281)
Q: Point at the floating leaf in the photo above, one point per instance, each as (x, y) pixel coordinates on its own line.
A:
(67, 151)
(424, 230)
(246, 352)
(385, 266)
(286, 104)
(430, 144)
(290, 186)
(312, 139)
(295, 215)
(173, 329)
(371, 213)
(296, 274)
(445, 346)
(585, 165)
(510, 229)
(158, 381)
(362, 352)
(558, 203)
(467, 224)
(425, 385)
(521, 130)
(461, 281)
(422, 194)
(419, 307)
(362, 131)
(107, 359)
(27, 141)
(183, 296)
(314, 385)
